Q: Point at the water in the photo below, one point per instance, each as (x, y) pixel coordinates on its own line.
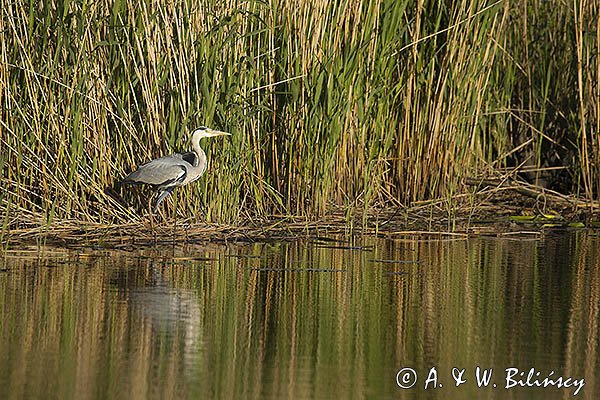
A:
(302, 320)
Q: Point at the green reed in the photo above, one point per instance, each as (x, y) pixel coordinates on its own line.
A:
(349, 105)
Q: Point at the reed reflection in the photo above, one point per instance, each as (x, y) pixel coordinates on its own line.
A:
(303, 320)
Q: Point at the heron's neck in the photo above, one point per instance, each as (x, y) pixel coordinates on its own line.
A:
(201, 159)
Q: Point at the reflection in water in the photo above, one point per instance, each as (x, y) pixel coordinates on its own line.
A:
(170, 312)
(300, 320)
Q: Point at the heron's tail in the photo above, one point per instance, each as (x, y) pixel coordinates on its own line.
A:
(132, 179)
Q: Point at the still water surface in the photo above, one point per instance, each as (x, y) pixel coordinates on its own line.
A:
(303, 320)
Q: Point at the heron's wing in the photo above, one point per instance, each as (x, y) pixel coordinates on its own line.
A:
(164, 171)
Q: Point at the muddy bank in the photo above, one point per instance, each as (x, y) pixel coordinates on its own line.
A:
(492, 209)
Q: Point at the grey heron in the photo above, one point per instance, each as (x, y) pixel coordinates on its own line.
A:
(168, 172)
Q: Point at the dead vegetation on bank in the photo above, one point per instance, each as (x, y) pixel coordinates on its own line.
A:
(496, 207)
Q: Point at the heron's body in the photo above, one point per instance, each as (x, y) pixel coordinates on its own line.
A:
(179, 169)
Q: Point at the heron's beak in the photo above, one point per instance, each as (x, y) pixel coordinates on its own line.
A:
(212, 133)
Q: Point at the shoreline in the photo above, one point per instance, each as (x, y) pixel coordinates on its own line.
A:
(511, 212)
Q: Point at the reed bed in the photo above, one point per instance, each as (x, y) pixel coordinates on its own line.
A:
(333, 106)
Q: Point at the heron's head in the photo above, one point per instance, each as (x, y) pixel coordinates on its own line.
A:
(204, 132)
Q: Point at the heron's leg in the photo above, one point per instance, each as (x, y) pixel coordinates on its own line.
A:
(163, 195)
